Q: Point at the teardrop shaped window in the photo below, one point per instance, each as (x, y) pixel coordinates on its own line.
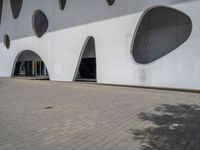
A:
(110, 2)
(16, 6)
(6, 41)
(40, 23)
(160, 32)
(62, 4)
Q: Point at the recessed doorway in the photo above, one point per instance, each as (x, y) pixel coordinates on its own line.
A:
(86, 68)
(30, 65)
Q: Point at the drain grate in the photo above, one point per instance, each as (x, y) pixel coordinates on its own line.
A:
(48, 107)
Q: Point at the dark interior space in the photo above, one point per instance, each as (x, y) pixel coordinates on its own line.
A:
(87, 67)
(29, 64)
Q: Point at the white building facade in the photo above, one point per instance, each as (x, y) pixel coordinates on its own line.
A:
(154, 43)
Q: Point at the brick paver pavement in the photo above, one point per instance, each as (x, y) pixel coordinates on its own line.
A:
(43, 115)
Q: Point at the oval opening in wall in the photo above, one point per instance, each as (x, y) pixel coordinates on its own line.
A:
(110, 2)
(16, 6)
(6, 41)
(161, 31)
(40, 23)
(62, 4)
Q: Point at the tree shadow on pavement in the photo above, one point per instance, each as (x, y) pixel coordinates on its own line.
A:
(173, 127)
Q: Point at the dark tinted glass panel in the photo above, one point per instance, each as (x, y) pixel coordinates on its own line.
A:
(110, 2)
(16, 6)
(17, 69)
(88, 68)
(28, 68)
(62, 4)
(6, 41)
(161, 31)
(40, 23)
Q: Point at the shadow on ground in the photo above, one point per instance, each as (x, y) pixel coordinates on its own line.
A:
(171, 127)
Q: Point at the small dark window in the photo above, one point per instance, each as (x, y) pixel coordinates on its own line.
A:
(1, 6)
(157, 35)
(40, 23)
(62, 4)
(6, 41)
(16, 6)
(110, 2)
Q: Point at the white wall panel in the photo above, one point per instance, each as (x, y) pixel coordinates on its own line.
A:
(113, 28)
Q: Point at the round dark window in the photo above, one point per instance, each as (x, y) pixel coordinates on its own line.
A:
(62, 4)
(110, 2)
(40, 23)
(157, 36)
(6, 41)
(16, 6)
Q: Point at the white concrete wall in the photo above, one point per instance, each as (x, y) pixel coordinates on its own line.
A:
(113, 29)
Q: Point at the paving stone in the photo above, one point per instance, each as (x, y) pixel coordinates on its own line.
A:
(95, 117)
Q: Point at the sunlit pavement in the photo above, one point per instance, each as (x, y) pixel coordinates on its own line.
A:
(44, 115)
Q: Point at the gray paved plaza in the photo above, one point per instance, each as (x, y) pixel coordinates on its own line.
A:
(44, 115)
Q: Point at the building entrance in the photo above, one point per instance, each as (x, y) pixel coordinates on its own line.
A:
(29, 64)
(87, 63)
